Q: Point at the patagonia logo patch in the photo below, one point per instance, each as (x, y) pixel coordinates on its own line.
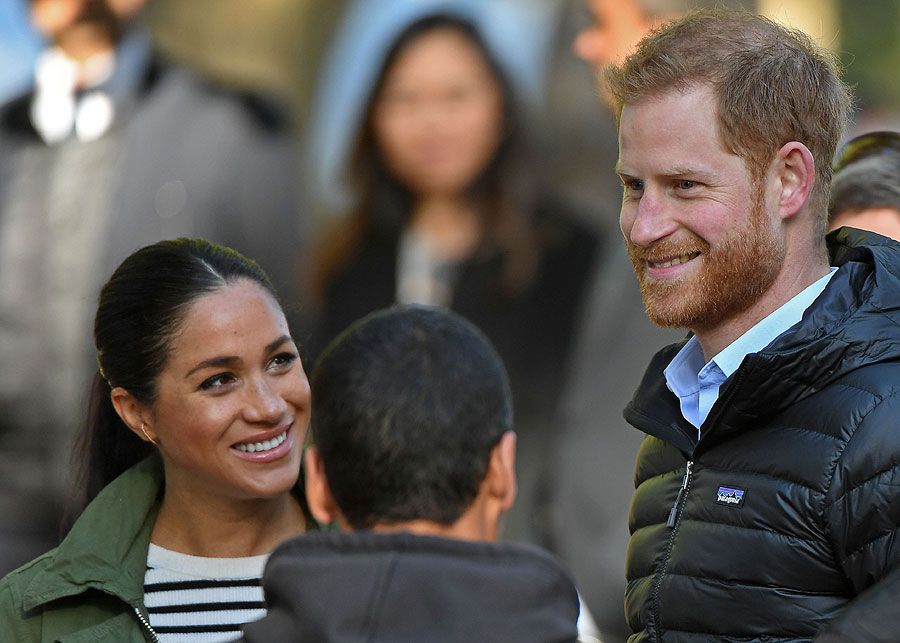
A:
(730, 496)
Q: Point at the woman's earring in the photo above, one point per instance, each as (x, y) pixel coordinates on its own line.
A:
(146, 435)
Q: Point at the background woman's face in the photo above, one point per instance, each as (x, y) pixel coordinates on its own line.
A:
(438, 117)
(233, 404)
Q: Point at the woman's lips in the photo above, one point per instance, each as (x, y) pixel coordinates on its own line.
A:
(267, 447)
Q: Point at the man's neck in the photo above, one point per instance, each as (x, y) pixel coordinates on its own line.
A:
(462, 529)
(787, 286)
(83, 42)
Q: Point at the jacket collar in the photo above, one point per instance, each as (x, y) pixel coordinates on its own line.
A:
(854, 322)
(106, 548)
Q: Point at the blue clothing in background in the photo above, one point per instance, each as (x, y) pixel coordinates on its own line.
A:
(19, 48)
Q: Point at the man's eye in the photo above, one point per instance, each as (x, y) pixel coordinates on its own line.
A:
(633, 185)
(684, 184)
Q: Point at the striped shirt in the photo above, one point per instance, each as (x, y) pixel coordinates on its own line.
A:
(202, 600)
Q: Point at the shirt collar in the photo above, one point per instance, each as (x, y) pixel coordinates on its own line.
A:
(113, 79)
(770, 327)
(682, 373)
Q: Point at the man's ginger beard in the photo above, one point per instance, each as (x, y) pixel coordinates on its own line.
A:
(731, 278)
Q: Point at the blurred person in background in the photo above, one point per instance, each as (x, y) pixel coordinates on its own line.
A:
(414, 459)
(865, 191)
(112, 148)
(189, 458)
(446, 214)
(515, 31)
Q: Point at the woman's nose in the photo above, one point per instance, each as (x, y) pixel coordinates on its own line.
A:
(264, 403)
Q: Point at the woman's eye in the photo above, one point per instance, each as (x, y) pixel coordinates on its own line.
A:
(398, 98)
(282, 361)
(217, 381)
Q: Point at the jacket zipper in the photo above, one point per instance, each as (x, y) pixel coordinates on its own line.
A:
(146, 625)
(673, 524)
(673, 513)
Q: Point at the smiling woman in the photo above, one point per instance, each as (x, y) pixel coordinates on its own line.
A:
(191, 452)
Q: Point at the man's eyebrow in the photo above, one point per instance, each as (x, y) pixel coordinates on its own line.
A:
(673, 172)
(684, 170)
(230, 360)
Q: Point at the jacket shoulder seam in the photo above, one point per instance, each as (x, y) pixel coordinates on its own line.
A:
(885, 534)
(879, 401)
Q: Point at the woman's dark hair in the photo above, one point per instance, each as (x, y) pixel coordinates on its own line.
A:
(502, 191)
(140, 309)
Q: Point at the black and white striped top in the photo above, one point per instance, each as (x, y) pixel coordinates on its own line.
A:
(202, 600)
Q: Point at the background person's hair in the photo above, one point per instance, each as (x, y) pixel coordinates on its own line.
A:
(866, 174)
(140, 309)
(503, 189)
(872, 182)
(773, 85)
(407, 405)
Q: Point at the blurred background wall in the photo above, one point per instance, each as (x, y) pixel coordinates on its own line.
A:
(275, 44)
(269, 45)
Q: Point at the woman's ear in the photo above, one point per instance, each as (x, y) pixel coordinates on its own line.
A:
(134, 414)
(318, 492)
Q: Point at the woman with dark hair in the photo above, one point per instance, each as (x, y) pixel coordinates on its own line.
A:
(192, 449)
(448, 214)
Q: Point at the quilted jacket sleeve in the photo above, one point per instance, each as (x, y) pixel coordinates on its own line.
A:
(863, 516)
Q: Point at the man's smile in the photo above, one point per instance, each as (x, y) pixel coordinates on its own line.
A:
(668, 262)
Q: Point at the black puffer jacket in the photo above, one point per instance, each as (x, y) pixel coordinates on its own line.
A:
(782, 521)
(365, 587)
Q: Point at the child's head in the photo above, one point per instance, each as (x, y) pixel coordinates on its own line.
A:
(412, 419)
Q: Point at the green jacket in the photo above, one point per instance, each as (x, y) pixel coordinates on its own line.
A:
(91, 587)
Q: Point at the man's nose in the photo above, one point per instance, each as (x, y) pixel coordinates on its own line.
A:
(653, 219)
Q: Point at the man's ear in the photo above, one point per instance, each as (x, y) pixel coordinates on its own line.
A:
(795, 172)
(318, 492)
(134, 414)
(501, 477)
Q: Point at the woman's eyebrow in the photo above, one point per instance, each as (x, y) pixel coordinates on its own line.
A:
(224, 360)
(230, 360)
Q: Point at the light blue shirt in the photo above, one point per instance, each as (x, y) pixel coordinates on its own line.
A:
(697, 382)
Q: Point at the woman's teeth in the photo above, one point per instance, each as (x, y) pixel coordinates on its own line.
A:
(265, 445)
